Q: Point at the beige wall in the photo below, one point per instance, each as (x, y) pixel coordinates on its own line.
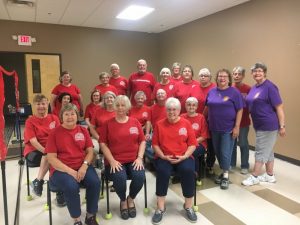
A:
(85, 51)
(259, 30)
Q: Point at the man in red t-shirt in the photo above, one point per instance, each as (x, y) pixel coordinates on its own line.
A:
(118, 81)
(142, 80)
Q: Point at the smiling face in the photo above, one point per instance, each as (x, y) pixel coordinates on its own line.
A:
(65, 99)
(69, 118)
(41, 107)
(142, 66)
(66, 79)
(237, 77)
(104, 79)
(223, 79)
(259, 75)
(140, 100)
(96, 97)
(187, 74)
(191, 107)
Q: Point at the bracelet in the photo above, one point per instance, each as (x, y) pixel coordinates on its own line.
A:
(282, 126)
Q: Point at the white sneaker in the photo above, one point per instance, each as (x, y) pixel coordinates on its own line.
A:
(251, 180)
(267, 178)
(244, 171)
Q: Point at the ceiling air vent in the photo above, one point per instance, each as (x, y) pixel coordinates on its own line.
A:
(27, 3)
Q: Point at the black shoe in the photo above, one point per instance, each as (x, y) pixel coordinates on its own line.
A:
(60, 199)
(176, 179)
(78, 223)
(224, 183)
(131, 210)
(219, 178)
(37, 187)
(91, 221)
(124, 213)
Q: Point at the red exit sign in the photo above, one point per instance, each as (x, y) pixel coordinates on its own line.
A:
(24, 40)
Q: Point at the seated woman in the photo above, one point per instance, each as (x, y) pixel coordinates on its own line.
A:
(37, 129)
(122, 142)
(200, 128)
(63, 99)
(174, 155)
(70, 152)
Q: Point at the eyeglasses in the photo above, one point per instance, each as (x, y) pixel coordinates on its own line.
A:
(202, 75)
(257, 71)
(222, 76)
(237, 74)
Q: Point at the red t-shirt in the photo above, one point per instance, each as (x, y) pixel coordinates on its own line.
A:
(142, 114)
(120, 83)
(90, 110)
(73, 90)
(122, 139)
(100, 117)
(244, 89)
(184, 90)
(199, 126)
(104, 89)
(70, 145)
(169, 89)
(200, 93)
(157, 112)
(141, 82)
(174, 138)
(176, 80)
(40, 129)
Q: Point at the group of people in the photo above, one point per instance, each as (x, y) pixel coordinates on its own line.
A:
(179, 119)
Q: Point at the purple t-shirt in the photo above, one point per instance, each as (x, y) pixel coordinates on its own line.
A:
(261, 102)
(222, 108)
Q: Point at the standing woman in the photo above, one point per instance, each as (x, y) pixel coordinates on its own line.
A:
(140, 111)
(104, 85)
(184, 89)
(70, 153)
(266, 109)
(224, 105)
(66, 86)
(37, 129)
(92, 107)
(122, 142)
(174, 155)
(165, 83)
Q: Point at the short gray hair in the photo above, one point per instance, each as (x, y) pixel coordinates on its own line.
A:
(173, 102)
(68, 107)
(259, 65)
(106, 94)
(165, 69)
(114, 65)
(204, 71)
(191, 100)
(122, 98)
(239, 69)
(176, 64)
(139, 94)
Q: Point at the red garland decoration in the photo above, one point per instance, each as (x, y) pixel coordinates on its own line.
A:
(3, 149)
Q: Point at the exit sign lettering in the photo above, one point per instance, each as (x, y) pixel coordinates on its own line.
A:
(24, 40)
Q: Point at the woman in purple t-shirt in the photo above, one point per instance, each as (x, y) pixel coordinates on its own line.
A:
(224, 105)
(266, 109)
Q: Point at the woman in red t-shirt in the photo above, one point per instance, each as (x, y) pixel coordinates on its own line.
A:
(37, 129)
(63, 99)
(123, 144)
(70, 153)
(140, 111)
(92, 107)
(174, 142)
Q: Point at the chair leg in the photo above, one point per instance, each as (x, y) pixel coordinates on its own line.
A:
(102, 185)
(49, 203)
(195, 207)
(29, 197)
(146, 210)
(108, 213)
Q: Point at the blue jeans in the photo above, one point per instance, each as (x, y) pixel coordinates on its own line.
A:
(119, 179)
(149, 153)
(70, 187)
(211, 156)
(242, 140)
(186, 171)
(223, 145)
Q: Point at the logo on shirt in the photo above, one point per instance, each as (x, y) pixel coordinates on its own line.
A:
(122, 83)
(193, 85)
(183, 131)
(195, 126)
(133, 130)
(171, 86)
(145, 114)
(256, 95)
(52, 125)
(225, 98)
(79, 137)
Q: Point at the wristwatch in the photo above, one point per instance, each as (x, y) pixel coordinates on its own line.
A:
(86, 163)
(282, 126)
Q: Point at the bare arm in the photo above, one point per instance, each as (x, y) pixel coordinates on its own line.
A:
(281, 119)
(94, 132)
(52, 101)
(34, 142)
(80, 104)
(114, 164)
(236, 129)
(138, 163)
(148, 130)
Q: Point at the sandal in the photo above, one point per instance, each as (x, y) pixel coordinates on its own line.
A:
(131, 210)
(124, 213)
